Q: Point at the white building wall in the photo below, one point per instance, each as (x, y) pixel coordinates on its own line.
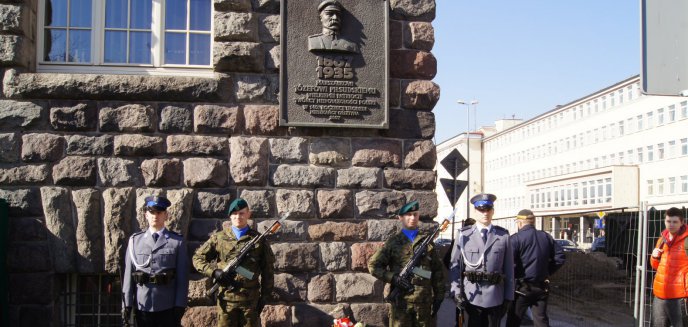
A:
(596, 131)
(616, 126)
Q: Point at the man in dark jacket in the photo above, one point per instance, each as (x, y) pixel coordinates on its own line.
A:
(536, 257)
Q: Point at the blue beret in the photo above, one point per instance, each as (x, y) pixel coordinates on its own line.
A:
(159, 203)
(237, 205)
(485, 200)
(409, 207)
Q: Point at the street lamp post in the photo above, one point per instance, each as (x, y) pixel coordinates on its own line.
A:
(468, 152)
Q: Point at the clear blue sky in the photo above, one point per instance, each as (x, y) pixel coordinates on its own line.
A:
(523, 58)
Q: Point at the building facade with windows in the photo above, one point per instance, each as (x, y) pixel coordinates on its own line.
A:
(610, 149)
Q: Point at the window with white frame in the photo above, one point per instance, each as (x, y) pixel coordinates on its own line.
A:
(684, 183)
(672, 185)
(608, 190)
(671, 149)
(650, 153)
(650, 187)
(660, 116)
(660, 186)
(684, 109)
(650, 120)
(640, 122)
(672, 113)
(639, 151)
(684, 146)
(660, 151)
(124, 35)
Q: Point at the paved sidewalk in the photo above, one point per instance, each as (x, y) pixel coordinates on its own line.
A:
(558, 318)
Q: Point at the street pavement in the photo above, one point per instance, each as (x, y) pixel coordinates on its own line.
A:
(558, 318)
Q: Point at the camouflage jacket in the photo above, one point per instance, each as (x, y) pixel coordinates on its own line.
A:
(221, 248)
(395, 253)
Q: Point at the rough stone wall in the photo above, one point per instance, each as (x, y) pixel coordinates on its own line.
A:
(78, 153)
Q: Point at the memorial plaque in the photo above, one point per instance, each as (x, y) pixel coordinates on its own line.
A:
(334, 70)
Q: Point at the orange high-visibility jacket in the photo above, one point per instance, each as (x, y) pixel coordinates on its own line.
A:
(671, 280)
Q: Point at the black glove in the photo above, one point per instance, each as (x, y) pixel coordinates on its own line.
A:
(179, 313)
(506, 305)
(126, 316)
(402, 283)
(436, 306)
(222, 278)
(260, 305)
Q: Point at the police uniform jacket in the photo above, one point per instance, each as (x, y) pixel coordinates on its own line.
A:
(497, 257)
(221, 248)
(393, 256)
(536, 255)
(168, 255)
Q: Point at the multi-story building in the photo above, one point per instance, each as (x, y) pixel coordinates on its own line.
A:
(612, 149)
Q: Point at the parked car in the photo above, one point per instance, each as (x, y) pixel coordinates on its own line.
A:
(569, 246)
(443, 242)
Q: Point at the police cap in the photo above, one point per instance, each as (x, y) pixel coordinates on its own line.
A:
(484, 201)
(157, 203)
(237, 205)
(409, 207)
(328, 3)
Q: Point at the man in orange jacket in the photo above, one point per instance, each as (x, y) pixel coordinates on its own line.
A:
(670, 260)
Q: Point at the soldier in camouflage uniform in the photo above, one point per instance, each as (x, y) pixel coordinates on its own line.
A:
(422, 295)
(242, 305)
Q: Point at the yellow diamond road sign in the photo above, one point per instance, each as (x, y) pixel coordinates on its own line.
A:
(601, 214)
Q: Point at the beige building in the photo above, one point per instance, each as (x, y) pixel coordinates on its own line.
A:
(614, 148)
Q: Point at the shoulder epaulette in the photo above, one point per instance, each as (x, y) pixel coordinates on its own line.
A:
(465, 228)
(175, 233)
(501, 228)
(137, 233)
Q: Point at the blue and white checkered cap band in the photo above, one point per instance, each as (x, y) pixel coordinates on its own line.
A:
(483, 203)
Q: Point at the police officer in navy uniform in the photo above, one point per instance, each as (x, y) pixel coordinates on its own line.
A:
(536, 257)
(482, 267)
(156, 283)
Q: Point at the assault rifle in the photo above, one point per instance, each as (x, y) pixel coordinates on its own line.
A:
(234, 264)
(410, 267)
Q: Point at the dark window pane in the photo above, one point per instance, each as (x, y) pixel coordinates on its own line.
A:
(80, 13)
(115, 47)
(199, 49)
(140, 48)
(200, 15)
(56, 13)
(175, 14)
(55, 45)
(116, 14)
(141, 12)
(175, 48)
(79, 46)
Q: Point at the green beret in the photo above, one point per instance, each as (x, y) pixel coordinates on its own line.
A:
(409, 207)
(237, 205)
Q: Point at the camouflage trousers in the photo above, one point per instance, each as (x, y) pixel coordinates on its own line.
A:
(411, 315)
(237, 314)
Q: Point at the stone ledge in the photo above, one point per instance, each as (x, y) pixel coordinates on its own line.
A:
(115, 87)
